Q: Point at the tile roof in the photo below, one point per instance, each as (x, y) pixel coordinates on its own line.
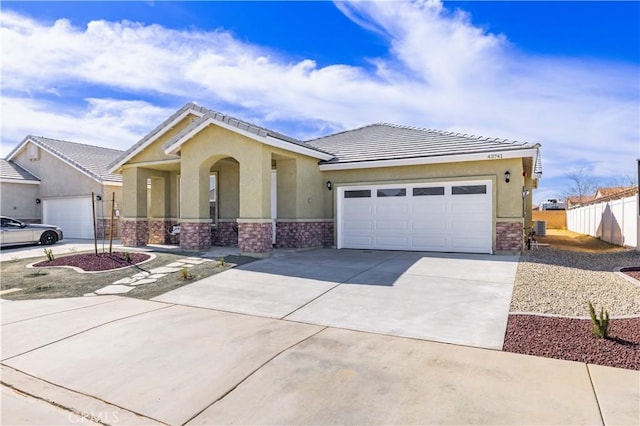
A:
(205, 114)
(10, 170)
(90, 159)
(384, 141)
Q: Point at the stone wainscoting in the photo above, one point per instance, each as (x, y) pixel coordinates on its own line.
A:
(135, 232)
(509, 236)
(304, 233)
(103, 227)
(255, 237)
(159, 231)
(225, 234)
(195, 235)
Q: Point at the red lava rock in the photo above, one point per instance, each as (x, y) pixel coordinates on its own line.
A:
(93, 262)
(572, 339)
(632, 272)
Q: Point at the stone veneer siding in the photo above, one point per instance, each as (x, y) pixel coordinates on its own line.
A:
(509, 236)
(304, 234)
(195, 236)
(104, 228)
(255, 237)
(135, 233)
(159, 231)
(225, 234)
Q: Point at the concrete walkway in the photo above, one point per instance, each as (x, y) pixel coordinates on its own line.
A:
(115, 360)
(450, 298)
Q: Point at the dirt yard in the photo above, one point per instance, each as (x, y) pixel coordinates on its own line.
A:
(568, 240)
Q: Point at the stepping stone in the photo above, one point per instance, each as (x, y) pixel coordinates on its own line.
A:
(90, 294)
(114, 289)
(193, 261)
(176, 265)
(156, 276)
(140, 275)
(163, 270)
(127, 281)
(145, 281)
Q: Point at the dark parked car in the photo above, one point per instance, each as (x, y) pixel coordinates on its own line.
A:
(13, 231)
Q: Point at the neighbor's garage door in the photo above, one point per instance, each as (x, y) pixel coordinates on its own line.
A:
(449, 217)
(72, 214)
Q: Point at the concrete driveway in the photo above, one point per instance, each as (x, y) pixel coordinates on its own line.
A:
(113, 360)
(451, 298)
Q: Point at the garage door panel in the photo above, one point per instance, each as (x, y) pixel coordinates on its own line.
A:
(429, 243)
(450, 216)
(391, 242)
(72, 214)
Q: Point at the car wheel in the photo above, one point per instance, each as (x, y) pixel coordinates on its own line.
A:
(48, 238)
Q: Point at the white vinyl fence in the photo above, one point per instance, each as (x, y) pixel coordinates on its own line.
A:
(613, 221)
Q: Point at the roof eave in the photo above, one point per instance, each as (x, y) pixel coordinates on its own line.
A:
(479, 156)
(115, 166)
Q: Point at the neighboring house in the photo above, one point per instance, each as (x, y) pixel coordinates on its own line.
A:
(377, 187)
(602, 194)
(19, 190)
(60, 177)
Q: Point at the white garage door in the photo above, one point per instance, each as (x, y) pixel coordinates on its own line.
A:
(73, 215)
(448, 217)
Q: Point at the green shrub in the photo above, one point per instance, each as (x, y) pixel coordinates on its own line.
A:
(600, 322)
(127, 257)
(221, 261)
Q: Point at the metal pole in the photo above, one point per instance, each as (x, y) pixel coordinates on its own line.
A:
(113, 207)
(95, 231)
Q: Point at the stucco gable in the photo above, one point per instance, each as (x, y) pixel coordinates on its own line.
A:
(90, 160)
(258, 133)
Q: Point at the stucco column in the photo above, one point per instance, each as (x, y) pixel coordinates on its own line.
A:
(255, 233)
(135, 227)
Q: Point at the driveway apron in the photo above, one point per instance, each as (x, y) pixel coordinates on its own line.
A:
(452, 298)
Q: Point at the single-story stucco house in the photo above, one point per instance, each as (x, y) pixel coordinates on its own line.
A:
(46, 180)
(381, 186)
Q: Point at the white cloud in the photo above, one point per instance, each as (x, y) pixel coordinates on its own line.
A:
(441, 72)
(105, 122)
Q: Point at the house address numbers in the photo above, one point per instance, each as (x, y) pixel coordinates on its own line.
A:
(494, 156)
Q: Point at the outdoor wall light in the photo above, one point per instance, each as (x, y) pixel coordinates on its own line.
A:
(525, 192)
(38, 200)
(507, 176)
(99, 197)
(329, 185)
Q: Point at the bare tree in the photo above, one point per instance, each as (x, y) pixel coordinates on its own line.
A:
(582, 186)
(623, 182)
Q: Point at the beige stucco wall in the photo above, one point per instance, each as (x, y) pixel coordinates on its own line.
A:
(508, 196)
(154, 151)
(18, 200)
(228, 197)
(246, 193)
(57, 178)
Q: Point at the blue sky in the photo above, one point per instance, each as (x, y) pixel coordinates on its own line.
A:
(563, 74)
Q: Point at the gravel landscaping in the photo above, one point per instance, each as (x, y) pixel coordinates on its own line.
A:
(549, 308)
(562, 282)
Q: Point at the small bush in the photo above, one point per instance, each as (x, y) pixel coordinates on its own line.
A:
(185, 273)
(49, 254)
(221, 261)
(127, 257)
(600, 322)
